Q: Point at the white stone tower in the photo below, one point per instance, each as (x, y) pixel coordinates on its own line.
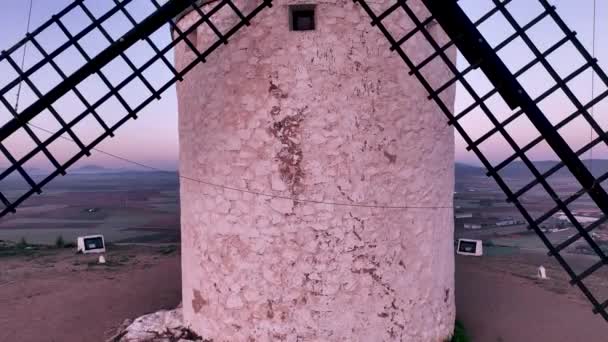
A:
(325, 115)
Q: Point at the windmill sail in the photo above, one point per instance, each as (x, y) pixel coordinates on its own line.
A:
(508, 91)
(100, 107)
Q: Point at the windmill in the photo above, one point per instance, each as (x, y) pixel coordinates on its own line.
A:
(283, 236)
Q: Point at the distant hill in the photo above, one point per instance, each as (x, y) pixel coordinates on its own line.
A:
(32, 171)
(97, 169)
(519, 170)
(465, 170)
(90, 168)
(35, 171)
(87, 170)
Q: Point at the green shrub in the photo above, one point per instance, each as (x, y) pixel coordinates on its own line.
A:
(22, 243)
(59, 243)
(460, 335)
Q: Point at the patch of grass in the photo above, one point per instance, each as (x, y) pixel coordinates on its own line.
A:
(460, 335)
(488, 243)
(22, 244)
(168, 250)
(165, 237)
(22, 248)
(6, 252)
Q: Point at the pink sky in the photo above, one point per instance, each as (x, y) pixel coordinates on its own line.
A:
(152, 139)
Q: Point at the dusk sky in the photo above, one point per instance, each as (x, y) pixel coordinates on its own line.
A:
(152, 139)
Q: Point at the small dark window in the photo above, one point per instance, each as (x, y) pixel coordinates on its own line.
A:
(467, 247)
(302, 17)
(93, 243)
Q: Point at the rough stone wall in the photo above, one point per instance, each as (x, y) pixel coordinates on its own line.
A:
(329, 115)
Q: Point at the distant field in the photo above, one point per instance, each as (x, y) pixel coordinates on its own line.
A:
(144, 207)
(479, 196)
(126, 206)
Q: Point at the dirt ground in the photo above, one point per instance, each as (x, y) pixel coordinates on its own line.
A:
(63, 297)
(499, 299)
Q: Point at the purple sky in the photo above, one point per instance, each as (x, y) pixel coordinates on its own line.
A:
(152, 139)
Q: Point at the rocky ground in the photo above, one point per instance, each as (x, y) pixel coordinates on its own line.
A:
(160, 326)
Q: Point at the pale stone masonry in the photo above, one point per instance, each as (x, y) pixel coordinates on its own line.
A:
(327, 115)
